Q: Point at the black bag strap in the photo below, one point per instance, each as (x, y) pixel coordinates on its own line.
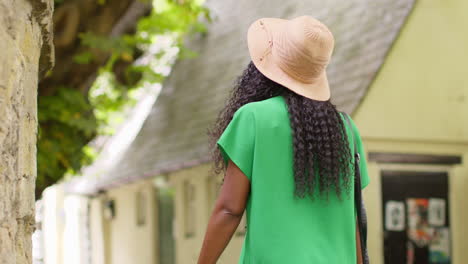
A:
(360, 210)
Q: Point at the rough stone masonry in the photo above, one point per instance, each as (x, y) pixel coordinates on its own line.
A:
(26, 54)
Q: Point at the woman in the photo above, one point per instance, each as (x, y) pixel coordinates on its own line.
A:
(286, 153)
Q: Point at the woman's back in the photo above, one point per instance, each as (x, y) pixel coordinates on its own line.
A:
(282, 228)
(281, 142)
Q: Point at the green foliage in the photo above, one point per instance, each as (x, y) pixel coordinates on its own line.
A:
(69, 119)
(83, 58)
(169, 17)
(104, 43)
(67, 123)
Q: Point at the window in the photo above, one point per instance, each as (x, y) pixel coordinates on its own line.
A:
(140, 206)
(109, 209)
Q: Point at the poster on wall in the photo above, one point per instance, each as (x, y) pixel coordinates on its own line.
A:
(395, 216)
(436, 212)
(439, 248)
(419, 231)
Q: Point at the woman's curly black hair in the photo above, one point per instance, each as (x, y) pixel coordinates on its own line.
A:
(319, 140)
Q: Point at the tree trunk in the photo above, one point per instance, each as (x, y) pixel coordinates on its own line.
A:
(26, 53)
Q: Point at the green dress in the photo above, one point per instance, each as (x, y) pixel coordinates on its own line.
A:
(282, 229)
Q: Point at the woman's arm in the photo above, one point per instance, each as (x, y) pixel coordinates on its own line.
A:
(226, 215)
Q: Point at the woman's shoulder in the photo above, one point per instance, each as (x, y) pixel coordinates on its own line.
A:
(266, 106)
(266, 113)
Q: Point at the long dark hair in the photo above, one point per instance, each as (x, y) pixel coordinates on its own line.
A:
(319, 140)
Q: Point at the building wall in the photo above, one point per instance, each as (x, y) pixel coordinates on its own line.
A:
(76, 230)
(53, 224)
(419, 104)
(125, 240)
(205, 191)
(82, 229)
(97, 230)
(421, 92)
(65, 227)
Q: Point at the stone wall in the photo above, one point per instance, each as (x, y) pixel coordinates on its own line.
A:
(26, 54)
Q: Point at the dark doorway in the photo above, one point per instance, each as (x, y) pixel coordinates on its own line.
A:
(416, 217)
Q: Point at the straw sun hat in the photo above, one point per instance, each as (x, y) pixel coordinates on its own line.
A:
(293, 53)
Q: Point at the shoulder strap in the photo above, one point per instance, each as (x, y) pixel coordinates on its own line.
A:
(360, 211)
(356, 152)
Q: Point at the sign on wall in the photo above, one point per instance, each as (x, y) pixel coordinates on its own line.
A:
(395, 216)
(436, 212)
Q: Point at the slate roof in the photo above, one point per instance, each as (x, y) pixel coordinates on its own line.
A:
(174, 134)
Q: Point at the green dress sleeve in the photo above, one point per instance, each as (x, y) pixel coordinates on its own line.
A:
(362, 153)
(237, 143)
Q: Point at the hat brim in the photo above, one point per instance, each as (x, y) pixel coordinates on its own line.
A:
(257, 42)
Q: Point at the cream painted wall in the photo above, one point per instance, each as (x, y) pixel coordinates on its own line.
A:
(127, 242)
(459, 197)
(187, 249)
(53, 224)
(97, 231)
(421, 93)
(75, 234)
(64, 227)
(419, 104)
